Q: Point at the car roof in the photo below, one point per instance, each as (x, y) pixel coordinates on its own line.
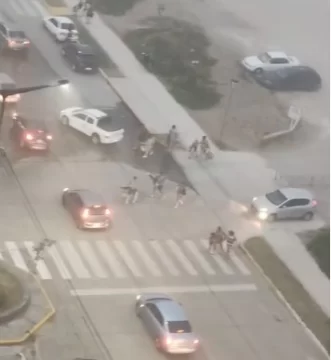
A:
(62, 19)
(89, 197)
(297, 193)
(11, 26)
(95, 113)
(277, 54)
(83, 48)
(170, 309)
(32, 123)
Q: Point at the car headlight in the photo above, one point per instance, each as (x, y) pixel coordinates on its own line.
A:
(254, 198)
(138, 297)
(263, 214)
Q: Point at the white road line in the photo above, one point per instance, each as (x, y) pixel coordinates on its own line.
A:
(176, 250)
(148, 261)
(166, 261)
(92, 259)
(110, 259)
(74, 260)
(26, 6)
(40, 264)
(62, 268)
(16, 255)
(41, 9)
(239, 264)
(17, 8)
(222, 264)
(168, 290)
(199, 257)
(127, 259)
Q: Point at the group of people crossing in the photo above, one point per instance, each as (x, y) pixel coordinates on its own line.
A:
(221, 240)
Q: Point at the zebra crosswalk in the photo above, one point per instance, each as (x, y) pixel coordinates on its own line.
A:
(101, 259)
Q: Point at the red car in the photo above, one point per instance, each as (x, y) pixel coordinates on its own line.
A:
(30, 133)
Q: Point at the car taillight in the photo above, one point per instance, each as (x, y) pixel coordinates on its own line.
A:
(85, 213)
(107, 212)
(314, 203)
(49, 137)
(26, 42)
(11, 43)
(168, 341)
(196, 342)
(28, 136)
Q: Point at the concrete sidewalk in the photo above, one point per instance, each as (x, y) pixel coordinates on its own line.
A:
(227, 182)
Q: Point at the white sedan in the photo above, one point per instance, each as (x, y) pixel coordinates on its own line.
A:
(268, 61)
(59, 27)
(94, 123)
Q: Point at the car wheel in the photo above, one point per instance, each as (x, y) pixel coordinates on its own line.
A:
(272, 217)
(308, 216)
(258, 71)
(96, 139)
(65, 120)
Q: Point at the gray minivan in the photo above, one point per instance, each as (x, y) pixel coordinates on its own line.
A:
(166, 322)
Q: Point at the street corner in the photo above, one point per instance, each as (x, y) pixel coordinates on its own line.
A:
(57, 8)
(36, 309)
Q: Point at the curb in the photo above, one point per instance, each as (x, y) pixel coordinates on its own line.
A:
(57, 10)
(38, 325)
(285, 302)
(22, 306)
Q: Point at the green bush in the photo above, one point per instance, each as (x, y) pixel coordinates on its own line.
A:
(319, 248)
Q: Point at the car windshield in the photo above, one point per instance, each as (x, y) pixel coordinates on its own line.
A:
(97, 210)
(179, 327)
(7, 86)
(86, 57)
(276, 197)
(105, 123)
(67, 26)
(265, 58)
(17, 34)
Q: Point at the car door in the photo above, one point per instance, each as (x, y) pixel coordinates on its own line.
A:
(300, 208)
(78, 120)
(52, 25)
(90, 127)
(288, 209)
(75, 205)
(152, 319)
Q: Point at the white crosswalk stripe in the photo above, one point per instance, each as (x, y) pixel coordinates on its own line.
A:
(40, 264)
(74, 260)
(16, 255)
(177, 252)
(92, 259)
(117, 259)
(222, 264)
(199, 257)
(25, 8)
(110, 259)
(148, 261)
(166, 261)
(127, 259)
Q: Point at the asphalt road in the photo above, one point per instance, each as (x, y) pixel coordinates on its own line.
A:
(149, 246)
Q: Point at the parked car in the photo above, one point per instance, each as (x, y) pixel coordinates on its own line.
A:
(7, 83)
(268, 61)
(286, 203)
(30, 133)
(167, 324)
(80, 57)
(59, 27)
(88, 209)
(296, 78)
(94, 123)
(13, 39)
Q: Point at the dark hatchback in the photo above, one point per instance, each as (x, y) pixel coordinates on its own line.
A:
(87, 208)
(30, 134)
(80, 57)
(296, 78)
(13, 39)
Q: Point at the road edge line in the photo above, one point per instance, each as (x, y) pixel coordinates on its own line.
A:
(284, 301)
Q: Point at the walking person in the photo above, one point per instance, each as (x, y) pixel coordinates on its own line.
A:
(231, 240)
(172, 138)
(130, 192)
(158, 184)
(180, 194)
(212, 243)
(205, 148)
(89, 14)
(147, 148)
(79, 7)
(160, 9)
(142, 137)
(194, 149)
(220, 236)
